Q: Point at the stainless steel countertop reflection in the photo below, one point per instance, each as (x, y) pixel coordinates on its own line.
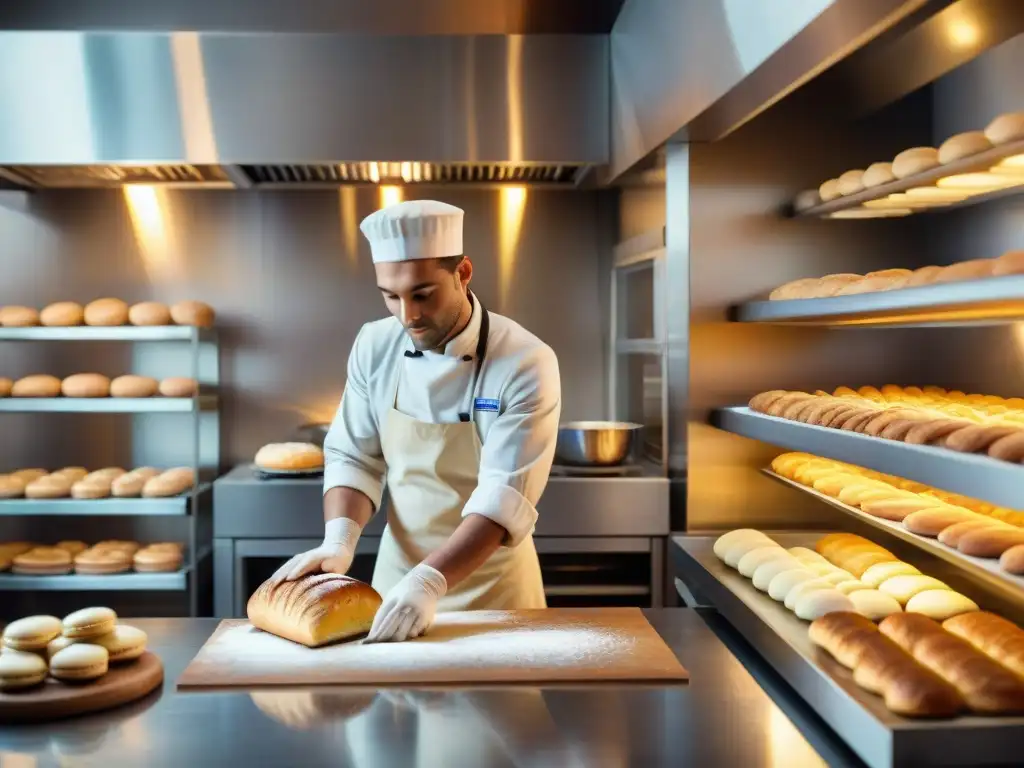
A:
(722, 717)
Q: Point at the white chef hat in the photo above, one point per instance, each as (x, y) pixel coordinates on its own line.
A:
(415, 229)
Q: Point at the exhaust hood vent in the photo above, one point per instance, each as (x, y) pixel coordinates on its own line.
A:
(410, 173)
(92, 176)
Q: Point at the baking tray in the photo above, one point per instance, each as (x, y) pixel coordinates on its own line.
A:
(288, 474)
(880, 738)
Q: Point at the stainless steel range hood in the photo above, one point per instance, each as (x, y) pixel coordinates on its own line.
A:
(287, 110)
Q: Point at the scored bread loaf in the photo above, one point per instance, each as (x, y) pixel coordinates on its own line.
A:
(314, 610)
(993, 635)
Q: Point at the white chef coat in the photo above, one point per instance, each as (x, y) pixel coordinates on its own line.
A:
(520, 372)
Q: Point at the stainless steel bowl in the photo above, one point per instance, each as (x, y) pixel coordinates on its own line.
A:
(595, 443)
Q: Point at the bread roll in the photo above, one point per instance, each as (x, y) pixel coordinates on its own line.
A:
(1010, 263)
(726, 540)
(834, 632)
(314, 610)
(736, 550)
(193, 313)
(951, 536)
(149, 313)
(873, 604)
(829, 285)
(133, 386)
(923, 276)
(169, 483)
(1009, 448)
(783, 582)
(829, 190)
(940, 604)
(851, 182)
(108, 474)
(931, 522)
(71, 474)
(106, 312)
(806, 555)
(39, 385)
(802, 589)
(97, 488)
(821, 602)
(997, 638)
(905, 587)
(1006, 128)
(914, 160)
(963, 145)
(63, 313)
(1012, 560)
(11, 487)
(178, 386)
(86, 385)
(805, 199)
(130, 485)
(290, 456)
(878, 174)
(933, 430)
(759, 555)
(978, 438)
(795, 289)
(897, 509)
(6, 385)
(991, 541)
(974, 269)
(48, 487)
(767, 571)
(18, 317)
(849, 586)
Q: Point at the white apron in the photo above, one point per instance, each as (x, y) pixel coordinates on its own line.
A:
(431, 471)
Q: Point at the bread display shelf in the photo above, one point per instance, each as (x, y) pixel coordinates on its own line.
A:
(172, 505)
(978, 568)
(972, 302)
(975, 163)
(880, 738)
(155, 582)
(108, 404)
(978, 476)
(108, 333)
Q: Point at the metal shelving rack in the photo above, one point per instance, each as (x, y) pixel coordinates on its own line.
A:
(194, 507)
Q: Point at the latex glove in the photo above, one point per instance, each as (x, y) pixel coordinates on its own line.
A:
(409, 608)
(340, 537)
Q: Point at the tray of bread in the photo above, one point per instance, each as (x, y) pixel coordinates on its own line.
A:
(110, 482)
(289, 460)
(107, 313)
(104, 558)
(88, 661)
(819, 606)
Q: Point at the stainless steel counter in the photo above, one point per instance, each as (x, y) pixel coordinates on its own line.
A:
(720, 718)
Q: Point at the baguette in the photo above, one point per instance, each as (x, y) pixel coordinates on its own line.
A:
(951, 536)
(940, 604)
(931, 522)
(1012, 560)
(169, 483)
(130, 484)
(978, 438)
(997, 638)
(991, 541)
(933, 430)
(1009, 448)
(314, 610)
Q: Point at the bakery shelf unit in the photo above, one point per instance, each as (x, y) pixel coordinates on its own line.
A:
(981, 477)
(879, 737)
(844, 207)
(164, 432)
(977, 302)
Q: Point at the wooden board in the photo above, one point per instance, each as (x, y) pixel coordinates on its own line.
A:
(54, 699)
(558, 645)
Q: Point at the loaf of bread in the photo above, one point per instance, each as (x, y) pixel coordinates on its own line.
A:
(963, 145)
(133, 386)
(290, 456)
(71, 474)
(63, 313)
(940, 604)
(795, 289)
(48, 487)
(1012, 560)
(86, 385)
(106, 312)
(990, 542)
(951, 536)
(11, 487)
(821, 602)
(851, 182)
(18, 317)
(914, 160)
(1006, 128)
(130, 484)
(94, 488)
(1009, 448)
(178, 386)
(726, 540)
(758, 556)
(314, 610)
(193, 313)
(873, 604)
(973, 269)
(784, 582)
(931, 522)
(878, 174)
(1010, 263)
(149, 313)
(997, 638)
(766, 572)
(169, 483)
(39, 385)
(733, 549)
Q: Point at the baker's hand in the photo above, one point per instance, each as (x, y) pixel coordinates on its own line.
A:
(409, 608)
(333, 556)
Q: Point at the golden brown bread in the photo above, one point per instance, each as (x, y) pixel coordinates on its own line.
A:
(951, 536)
(990, 542)
(931, 522)
(37, 385)
(1006, 127)
(997, 638)
(978, 437)
(933, 430)
(314, 610)
(193, 313)
(963, 145)
(133, 386)
(18, 317)
(1009, 448)
(149, 313)
(63, 313)
(106, 312)
(85, 385)
(1012, 560)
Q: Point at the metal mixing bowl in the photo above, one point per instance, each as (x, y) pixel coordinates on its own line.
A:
(595, 443)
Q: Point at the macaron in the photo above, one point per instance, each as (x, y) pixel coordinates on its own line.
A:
(58, 644)
(79, 662)
(31, 633)
(21, 670)
(88, 623)
(125, 643)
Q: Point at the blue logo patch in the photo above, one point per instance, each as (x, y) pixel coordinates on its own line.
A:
(486, 404)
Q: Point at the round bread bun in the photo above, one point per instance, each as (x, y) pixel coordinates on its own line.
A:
(149, 313)
(878, 174)
(963, 145)
(290, 456)
(829, 190)
(133, 386)
(62, 314)
(1006, 128)
(192, 313)
(974, 269)
(914, 160)
(39, 385)
(178, 386)
(851, 182)
(923, 276)
(48, 487)
(11, 487)
(86, 385)
(18, 317)
(1010, 263)
(808, 198)
(6, 385)
(106, 312)
(795, 289)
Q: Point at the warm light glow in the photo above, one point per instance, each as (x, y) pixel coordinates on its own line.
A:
(349, 223)
(417, 171)
(867, 213)
(193, 101)
(406, 172)
(514, 96)
(374, 173)
(978, 183)
(390, 196)
(512, 202)
(150, 216)
(1011, 166)
(933, 195)
(962, 33)
(894, 201)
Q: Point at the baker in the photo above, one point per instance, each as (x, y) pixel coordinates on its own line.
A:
(456, 409)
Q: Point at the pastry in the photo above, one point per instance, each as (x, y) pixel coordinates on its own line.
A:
(851, 182)
(130, 484)
(31, 633)
(767, 571)
(1012, 560)
(86, 385)
(97, 561)
(178, 386)
(39, 385)
(133, 386)
(821, 602)
(11, 487)
(63, 313)
(807, 198)
(873, 604)
(829, 190)
(755, 557)
(314, 610)
(149, 313)
(783, 582)
(88, 623)
(72, 547)
(991, 541)
(878, 174)
(157, 559)
(880, 572)
(905, 587)
(963, 145)
(169, 483)
(193, 313)
(79, 662)
(1006, 128)
(940, 604)
(914, 160)
(43, 561)
(290, 456)
(106, 312)
(21, 670)
(951, 536)
(18, 317)
(931, 522)
(125, 643)
(993, 635)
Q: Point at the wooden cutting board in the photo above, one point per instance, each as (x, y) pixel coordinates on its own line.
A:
(557, 645)
(53, 699)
